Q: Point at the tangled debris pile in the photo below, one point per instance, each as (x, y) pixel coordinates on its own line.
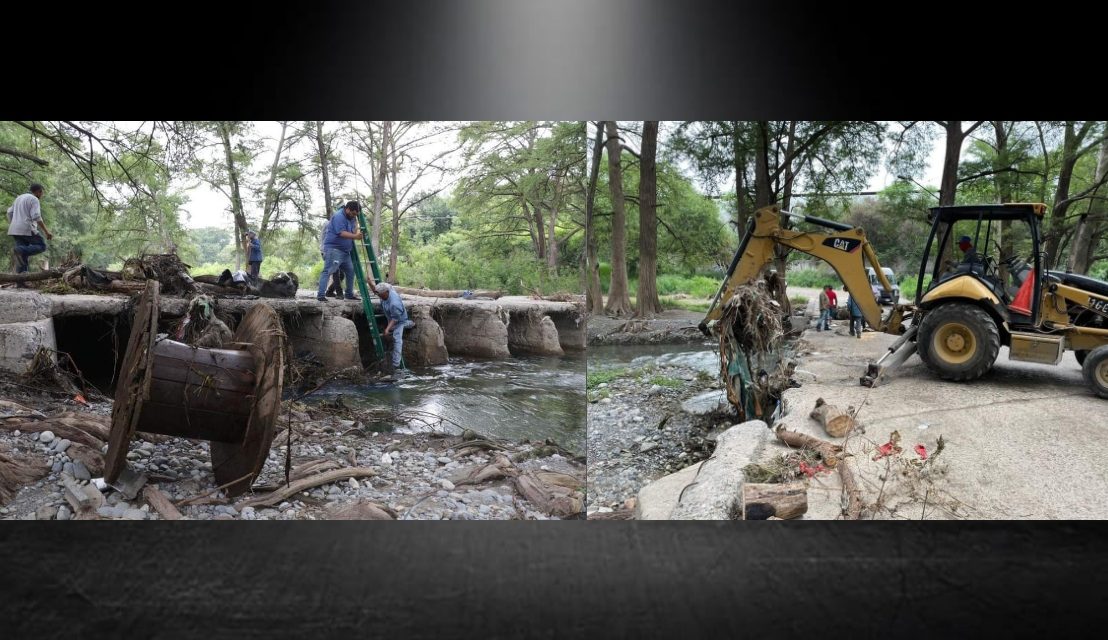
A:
(752, 336)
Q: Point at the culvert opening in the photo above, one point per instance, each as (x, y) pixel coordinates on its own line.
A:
(366, 350)
(96, 343)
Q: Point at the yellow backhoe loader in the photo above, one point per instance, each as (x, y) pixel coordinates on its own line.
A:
(966, 306)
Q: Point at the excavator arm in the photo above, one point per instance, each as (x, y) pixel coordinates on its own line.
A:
(843, 248)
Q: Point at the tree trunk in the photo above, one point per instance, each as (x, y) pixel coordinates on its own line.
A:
(786, 500)
(270, 194)
(379, 183)
(322, 148)
(780, 252)
(236, 196)
(948, 184)
(836, 422)
(648, 302)
(619, 301)
(1003, 182)
(1090, 224)
(741, 213)
(594, 297)
(552, 239)
(763, 196)
(394, 252)
(1057, 224)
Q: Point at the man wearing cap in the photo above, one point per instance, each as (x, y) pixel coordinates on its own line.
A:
(338, 241)
(254, 251)
(24, 226)
(393, 308)
(969, 253)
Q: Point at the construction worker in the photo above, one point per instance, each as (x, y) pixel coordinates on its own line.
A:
(969, 254)
(393, 308)
(338, 243)
(24, 226)
(855, 317)
(824, 321)
(254, 254)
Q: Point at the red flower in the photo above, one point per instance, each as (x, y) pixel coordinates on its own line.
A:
(922, 451)
(80, 399)
(884, 450)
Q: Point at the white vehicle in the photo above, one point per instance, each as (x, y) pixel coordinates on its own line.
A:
(883, 297)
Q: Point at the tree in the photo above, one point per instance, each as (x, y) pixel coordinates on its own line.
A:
(619, 300)
(648, 302)
(594, 298)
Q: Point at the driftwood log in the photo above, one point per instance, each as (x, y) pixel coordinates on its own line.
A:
(446, 293)
(836, 422)
(307, 483)
(160, 502)
(832, 455)
(555, 493)
(782, 501)
(828, 451)
(362, 510)
(16, 471)
(30, 277)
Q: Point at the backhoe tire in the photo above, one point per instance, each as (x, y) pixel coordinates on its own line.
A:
(1095, 370)
(958, 341)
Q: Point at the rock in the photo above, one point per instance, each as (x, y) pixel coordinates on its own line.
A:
(45, 512)
(134, 514)
(61, 445)
(605, 401)
(46, 437)
(17, 433)
(67, 468)
(20, 341)
(657, 500)
(64, 513)
(648, 446)
(530, 331)
(57, 466)
(484, 509)
(109, 512)
(444, 460)
(332, 339)
(446, 484)
(81, 472)
(386, 459)
(717, 491)
(248, 513)
(425, 343)
(707, 404)
(362, 510)
(353, 484)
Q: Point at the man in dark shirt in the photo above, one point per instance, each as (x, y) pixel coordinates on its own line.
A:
(338, 243)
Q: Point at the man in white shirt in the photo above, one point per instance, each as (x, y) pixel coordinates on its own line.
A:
(26, 227)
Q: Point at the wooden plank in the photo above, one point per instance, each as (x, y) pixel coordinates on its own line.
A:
(174, 420)
(236, 401)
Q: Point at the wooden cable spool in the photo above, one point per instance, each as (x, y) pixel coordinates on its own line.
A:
(230, 397)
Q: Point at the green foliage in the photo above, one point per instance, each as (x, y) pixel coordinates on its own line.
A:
(595, 378)
(665, 381)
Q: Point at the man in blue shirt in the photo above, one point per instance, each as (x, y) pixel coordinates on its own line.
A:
(254, 257)
(338, 241)
(393, 308)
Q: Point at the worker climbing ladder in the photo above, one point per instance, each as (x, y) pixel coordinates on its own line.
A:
(365, 247)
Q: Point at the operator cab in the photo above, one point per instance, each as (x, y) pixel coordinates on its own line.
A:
(967, 240)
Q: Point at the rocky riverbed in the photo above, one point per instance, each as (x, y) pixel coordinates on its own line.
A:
(649, 416)
(414, 474)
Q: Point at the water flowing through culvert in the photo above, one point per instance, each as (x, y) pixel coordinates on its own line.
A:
(528, 397)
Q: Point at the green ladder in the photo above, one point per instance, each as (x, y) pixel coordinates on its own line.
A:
(372, 316)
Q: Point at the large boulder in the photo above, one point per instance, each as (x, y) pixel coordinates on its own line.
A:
(424, 344)
(473, 329)
(331, 339)
(716, 492)
(657, 500)
(20, 341)
(533, 333)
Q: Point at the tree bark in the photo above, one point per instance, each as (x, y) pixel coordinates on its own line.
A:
(647, 301)
(594, 296)
(1071, 153)
(786, 500)
(270, 194)
(551, 238)
(394, 251)
(322, 150)
(741, 157)
(619, 301)
(379, 183)
(1092, 223)
(236, 196)
(836, 422)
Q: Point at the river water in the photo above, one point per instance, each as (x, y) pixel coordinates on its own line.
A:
(527, 397)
